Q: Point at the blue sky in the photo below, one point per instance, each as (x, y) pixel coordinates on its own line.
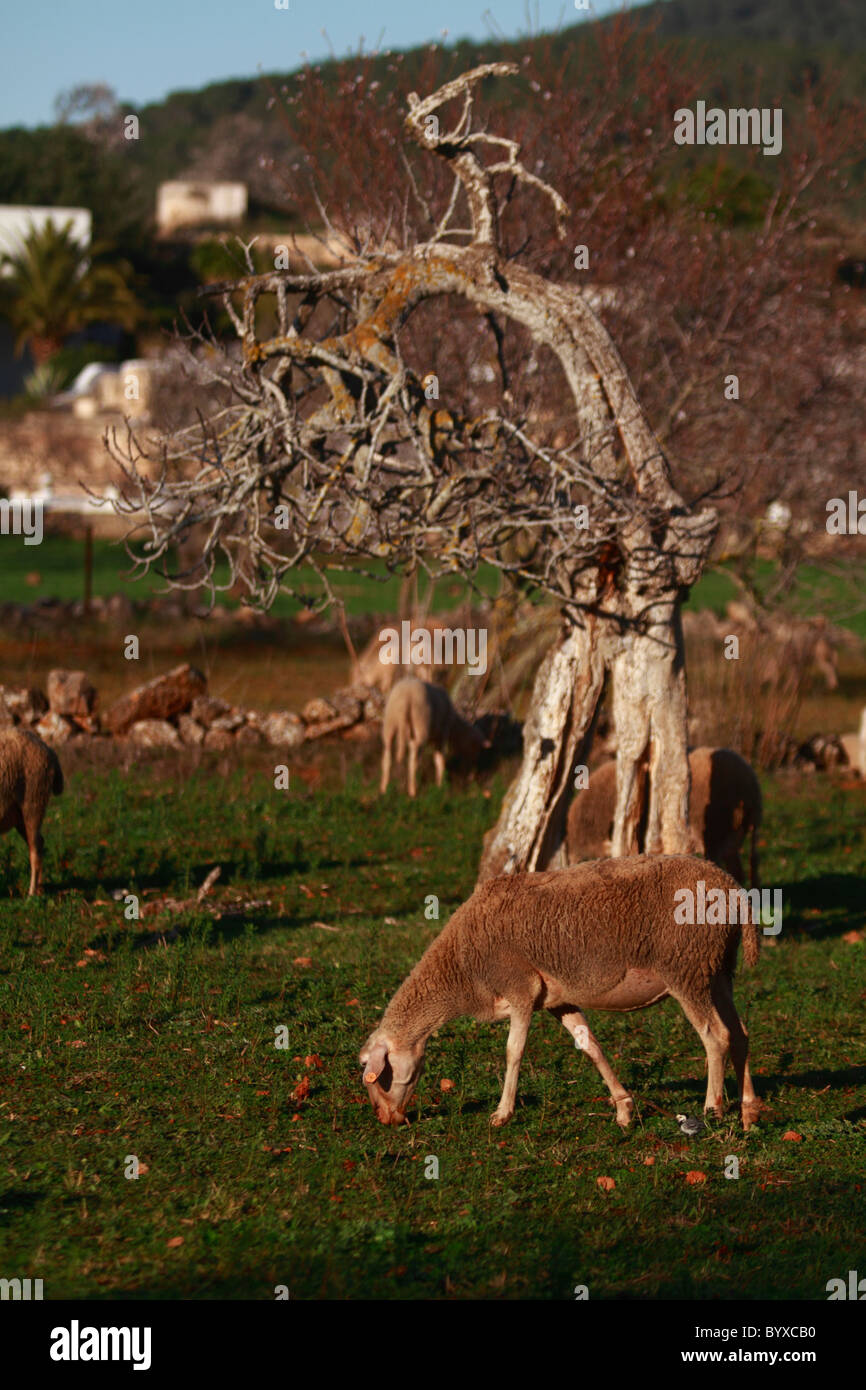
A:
(147, 48)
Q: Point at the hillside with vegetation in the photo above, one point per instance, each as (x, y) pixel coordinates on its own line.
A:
(238, 129)
(801, 23)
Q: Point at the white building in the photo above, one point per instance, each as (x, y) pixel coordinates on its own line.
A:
(18, 222)
(189, 203)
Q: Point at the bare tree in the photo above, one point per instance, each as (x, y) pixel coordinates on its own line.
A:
(332, 448)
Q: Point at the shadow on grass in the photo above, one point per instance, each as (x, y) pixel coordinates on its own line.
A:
(839, 894)
(18, 1200)
(810, 1080)
(212, 930)
(768, 1086)
(249, 873)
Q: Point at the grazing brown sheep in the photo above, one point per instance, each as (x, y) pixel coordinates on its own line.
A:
(29, 773)
(724, 806)
(604, 935)
(416, 713)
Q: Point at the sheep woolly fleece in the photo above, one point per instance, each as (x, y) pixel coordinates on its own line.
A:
(29, 773)
(582, 926)
(600, 935)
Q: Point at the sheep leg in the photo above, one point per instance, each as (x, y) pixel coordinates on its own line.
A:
(34, 842)
(439, 764)
(575, 1021)
(386, 768)
(734, 865)
(714, 1035)
(739, 1035)
(726, 853)
(520, 1018)
(413, 768)
(36, 845)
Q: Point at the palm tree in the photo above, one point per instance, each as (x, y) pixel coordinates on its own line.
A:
(54, 287)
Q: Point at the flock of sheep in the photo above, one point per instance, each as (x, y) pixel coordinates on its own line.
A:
(600, 934)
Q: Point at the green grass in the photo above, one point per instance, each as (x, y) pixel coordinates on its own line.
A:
(58, 567)
(58, 564)
(156, 1038)
(834, 591)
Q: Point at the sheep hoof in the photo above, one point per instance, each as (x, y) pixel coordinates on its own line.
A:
(751, 1114)
(624, 1112)
(498, 1118)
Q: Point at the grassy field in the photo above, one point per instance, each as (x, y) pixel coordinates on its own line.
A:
(55, 569)
(263, 1167)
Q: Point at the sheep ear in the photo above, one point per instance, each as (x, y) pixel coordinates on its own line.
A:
(375, 1063)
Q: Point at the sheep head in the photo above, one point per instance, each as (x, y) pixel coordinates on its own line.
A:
(390, 1073)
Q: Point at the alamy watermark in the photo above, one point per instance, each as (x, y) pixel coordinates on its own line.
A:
(737, 126)
(20, 1290)
(444, 646)
(717, 907)
(77, 1343)
(21, 517)
(846, 517)
(837, 1289)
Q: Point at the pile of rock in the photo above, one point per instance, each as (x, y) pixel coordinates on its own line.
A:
(175, 711)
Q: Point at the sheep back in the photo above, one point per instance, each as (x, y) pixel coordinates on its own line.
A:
(584, 926)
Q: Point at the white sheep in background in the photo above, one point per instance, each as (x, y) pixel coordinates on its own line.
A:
(29, 773)
(416, 713)
(601, 935)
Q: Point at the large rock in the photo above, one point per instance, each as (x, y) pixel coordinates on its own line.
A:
(206, 708)
(340, 712)
(318, 711)
(25, 704)
(54, 728)
(160, 699)
(218, 739)
(154, 733)
(348, 706)
(250, 736)
(70, 693)
(231, 721)
(191, 732)
(282, 730)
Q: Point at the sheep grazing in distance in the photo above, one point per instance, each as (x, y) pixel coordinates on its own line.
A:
(29, 773)
(601, 935)
(725, 804)
(416, 713)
